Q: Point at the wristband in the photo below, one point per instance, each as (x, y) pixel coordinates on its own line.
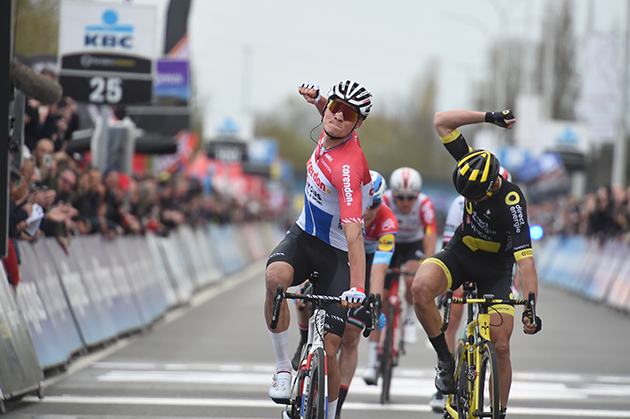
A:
(318, 98)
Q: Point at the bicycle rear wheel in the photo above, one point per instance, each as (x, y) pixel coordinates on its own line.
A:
(387, 355)
(488, 402)
(316, 403)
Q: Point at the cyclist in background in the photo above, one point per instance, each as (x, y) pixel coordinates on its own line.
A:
(494, 234)
(417, 234)
(380, 236)
(328, 236)
(453, 220)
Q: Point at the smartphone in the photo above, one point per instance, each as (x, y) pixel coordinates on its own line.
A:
(48, 160)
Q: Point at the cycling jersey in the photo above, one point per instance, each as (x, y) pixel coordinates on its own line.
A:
(380, 235)
(412, 226)
(496, 226)
(338, 190)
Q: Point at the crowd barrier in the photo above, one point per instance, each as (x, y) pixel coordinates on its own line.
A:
(68, 304)
(599, 271)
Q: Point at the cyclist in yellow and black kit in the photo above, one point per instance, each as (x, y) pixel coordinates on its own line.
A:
(493, 235)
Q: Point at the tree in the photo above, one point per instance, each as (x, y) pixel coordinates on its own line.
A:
(37, 27)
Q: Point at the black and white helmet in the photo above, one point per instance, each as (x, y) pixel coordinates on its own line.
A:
(354, 94)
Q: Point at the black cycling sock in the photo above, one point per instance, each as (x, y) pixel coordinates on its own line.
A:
(343, 391)
(440, 346)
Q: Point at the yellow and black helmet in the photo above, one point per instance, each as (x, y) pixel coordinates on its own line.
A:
(476, 173)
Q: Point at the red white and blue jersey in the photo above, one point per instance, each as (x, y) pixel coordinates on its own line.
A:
(380, 236)
(338, 190)
(412, 226)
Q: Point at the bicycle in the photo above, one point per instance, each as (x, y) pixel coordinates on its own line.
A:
(476, 370)
(391, 344)
(309, 393)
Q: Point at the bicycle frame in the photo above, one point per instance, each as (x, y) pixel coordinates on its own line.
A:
(477, 334)
(314, 347)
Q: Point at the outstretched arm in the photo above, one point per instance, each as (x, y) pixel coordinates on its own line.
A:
(448, 121)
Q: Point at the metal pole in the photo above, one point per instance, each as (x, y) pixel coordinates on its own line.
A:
(619, 156)
(6, 52)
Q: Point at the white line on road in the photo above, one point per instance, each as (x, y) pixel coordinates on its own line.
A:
(197, 402)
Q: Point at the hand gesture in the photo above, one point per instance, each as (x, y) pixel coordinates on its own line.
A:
(310, 91)
(503, 119)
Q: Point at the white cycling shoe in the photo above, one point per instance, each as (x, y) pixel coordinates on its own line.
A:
(280, 391)
(370, 375)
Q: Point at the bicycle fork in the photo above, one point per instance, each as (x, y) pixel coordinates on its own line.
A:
(316, 338)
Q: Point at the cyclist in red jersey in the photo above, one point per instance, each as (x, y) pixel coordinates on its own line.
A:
(328, 236)
(493, 236)
(417, 235)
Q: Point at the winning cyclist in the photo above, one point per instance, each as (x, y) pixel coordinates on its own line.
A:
(494, 234)
(453, 220)
(417, 234)
(380, 235)
(328, 236)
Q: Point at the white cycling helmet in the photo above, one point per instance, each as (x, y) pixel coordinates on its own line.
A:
(379, 187)
(503, 172)
(405, 181)
(353, 93)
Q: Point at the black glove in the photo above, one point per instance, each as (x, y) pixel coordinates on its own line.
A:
(528, 314)
(498, 118)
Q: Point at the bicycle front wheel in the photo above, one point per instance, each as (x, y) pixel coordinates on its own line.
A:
(316, 403)
(387, 355)
(488, 403)
(464, 385)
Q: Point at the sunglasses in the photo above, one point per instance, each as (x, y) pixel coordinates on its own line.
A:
(349, 114)
(406, 197)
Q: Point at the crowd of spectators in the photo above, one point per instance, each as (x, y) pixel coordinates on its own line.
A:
(603, 214)
(53, 193)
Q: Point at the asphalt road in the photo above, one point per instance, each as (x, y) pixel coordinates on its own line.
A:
(213, 359)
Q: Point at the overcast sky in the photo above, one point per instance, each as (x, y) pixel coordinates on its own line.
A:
(253, 54)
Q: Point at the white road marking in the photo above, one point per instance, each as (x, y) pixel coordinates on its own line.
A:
(197, 402)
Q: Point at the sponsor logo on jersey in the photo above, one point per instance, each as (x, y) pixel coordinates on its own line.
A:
(388, 225)
(314, 175)
(386, 242)
(348, 193)
(517, 217)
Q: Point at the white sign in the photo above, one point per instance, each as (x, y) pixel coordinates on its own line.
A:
(108, 28)
(220, 127)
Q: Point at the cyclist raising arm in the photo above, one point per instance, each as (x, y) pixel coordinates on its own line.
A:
(328, 236)
(494, 234)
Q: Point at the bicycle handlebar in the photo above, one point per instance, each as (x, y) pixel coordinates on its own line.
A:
(320, 301)
(487, 301)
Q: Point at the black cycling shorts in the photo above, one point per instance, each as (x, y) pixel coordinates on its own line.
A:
(402, 253)
(307, 253)
(492, 274)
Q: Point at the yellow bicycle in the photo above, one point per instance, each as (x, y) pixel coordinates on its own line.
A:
(476, 376)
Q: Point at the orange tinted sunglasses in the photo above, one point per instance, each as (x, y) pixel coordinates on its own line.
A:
(349, 114)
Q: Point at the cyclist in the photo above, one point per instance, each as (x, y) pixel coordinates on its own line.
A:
(328, 236)
(380, 236)
(417, 234)
(452, 222)
(494, 234)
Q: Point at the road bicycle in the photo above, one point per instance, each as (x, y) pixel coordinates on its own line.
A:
(309, 393)
(391, 344)
(476, 371)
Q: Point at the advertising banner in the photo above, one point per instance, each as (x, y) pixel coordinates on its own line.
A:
(82, 292)
(106, 52)
(19, 368)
